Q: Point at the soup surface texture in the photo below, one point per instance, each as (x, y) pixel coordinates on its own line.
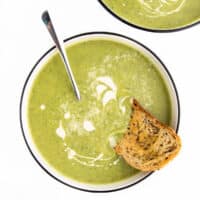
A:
(156, 14)
(75, 137)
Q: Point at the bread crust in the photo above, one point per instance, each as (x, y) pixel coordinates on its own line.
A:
(148, 144)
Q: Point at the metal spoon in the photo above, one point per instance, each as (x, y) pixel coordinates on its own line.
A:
(47, 21)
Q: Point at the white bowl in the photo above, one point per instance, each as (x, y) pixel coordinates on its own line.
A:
(24, 101)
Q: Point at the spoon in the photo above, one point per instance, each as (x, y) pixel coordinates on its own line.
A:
(47, 21)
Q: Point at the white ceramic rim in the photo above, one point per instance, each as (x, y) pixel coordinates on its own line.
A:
(24, 100)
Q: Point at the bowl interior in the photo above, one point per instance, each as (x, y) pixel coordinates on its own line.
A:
(24, 101)
(123, 17)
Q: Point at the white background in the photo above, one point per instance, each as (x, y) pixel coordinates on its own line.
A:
(23, 39)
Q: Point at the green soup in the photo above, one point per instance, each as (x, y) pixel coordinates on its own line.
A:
(156, 14)
(77, 137)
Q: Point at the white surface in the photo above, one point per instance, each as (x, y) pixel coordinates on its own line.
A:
(23, 38)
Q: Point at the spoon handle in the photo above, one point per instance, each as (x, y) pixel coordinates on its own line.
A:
(47, 21)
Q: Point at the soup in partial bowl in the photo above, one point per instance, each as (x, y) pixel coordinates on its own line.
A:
(155, 15)
(73, 140)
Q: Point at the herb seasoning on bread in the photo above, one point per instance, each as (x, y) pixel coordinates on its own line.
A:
(148, 144)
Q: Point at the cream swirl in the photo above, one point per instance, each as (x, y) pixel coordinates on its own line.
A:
(157, 8)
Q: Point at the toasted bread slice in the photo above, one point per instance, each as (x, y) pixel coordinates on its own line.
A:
(149, 144)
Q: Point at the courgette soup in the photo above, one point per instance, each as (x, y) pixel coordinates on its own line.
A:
(156, 14)
(77, 138)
